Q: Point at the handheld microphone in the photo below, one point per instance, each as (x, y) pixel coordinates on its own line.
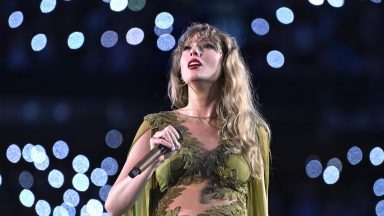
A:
(147, 160)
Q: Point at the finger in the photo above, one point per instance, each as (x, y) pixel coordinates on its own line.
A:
(174, 131)
(158, 134)
(175, 142)
(160, 141)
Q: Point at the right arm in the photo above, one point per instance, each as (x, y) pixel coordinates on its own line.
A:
(126, 190)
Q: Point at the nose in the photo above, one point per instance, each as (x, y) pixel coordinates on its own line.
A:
(196, 50)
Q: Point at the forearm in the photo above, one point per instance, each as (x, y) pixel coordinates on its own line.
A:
(123, 195)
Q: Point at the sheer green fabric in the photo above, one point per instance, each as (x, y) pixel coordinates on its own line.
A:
(229, 171)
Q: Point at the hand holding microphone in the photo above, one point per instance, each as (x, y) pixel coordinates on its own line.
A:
(163, 144)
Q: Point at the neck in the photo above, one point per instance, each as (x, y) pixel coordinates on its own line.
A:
(201, 102)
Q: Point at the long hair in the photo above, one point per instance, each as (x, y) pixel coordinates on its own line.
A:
(236, 109)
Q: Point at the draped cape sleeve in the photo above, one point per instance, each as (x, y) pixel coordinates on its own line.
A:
(257, 202)
(145, 204)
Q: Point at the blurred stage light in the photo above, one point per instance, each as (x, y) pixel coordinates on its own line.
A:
(94, 207)
(56, 178)
(80, 164)
(380, 208)
(166, 42)
(136, 5)
(80, 182)
(376, 1)
(164, 20)
(275, 59)
(134, 36)
(27, 152)
(316, 2)
(1, 180)
(118, 5)
(75, 40)
(376, 156)
(109, 39)
(313, 168)
(260, 26)
(47, 6)
(60, 211)
(61, 112)
(38, 154)
(354, 155)
(104, 191)
(31, 110)
(336, 162)
(378, 187)
(71, 210)
(71, 198)
(158, 31)
(26, 179)
(331, 175)
(13, 153)
(60, 149)
(42, 165)
(42, 208)
(15, 19)
(99, 177)
(38, 42)
(27, 198)
(336, 3)
(285, 15)
(110, 166)
(114, 139)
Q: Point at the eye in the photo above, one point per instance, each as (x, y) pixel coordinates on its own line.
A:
(186, 48)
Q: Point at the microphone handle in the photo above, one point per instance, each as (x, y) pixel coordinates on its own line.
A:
(147, 160)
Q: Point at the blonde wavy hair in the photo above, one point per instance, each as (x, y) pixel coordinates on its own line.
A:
(236, 109)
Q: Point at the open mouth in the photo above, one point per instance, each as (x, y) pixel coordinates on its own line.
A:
(194, 63)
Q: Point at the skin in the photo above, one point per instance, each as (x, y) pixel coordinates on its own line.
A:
(203, 90)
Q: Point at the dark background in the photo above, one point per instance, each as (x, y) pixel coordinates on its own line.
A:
(326, 98)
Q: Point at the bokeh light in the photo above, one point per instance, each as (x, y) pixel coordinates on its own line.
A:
(336, 3)
(99, 177)
(313, 168)
(331, 175)
(134, 36)
(110, 166)
(38, 154)
(136, 5)
(316, 2)
(61, 112)
(27, 152)
(47, 6)
(27, 198)
(166, 42)
(94, 207)
(80, 164)
(260, 26)
(75, 40)
(109, 39)
(42, 208)
(60, 149)
(42, 165)
(285, 15)
(71, 210)
(71, 198)
(158, 31)
(1, 180)
(13, 153)
(354, 155)
(114, 139)
(376, 156)
(15, 19)
(104, 191)
(336, 162)
(118, 5)
(275, 59)
(80, 182)
(380, 208)
(31, 109)
(26, 179)
(56, 178)
(60, 211)
(378, 187)
(164, 20)
(38, 42)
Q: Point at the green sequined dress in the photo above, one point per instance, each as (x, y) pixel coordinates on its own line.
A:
(227, 172)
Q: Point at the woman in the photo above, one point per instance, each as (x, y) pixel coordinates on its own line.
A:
(219, 162)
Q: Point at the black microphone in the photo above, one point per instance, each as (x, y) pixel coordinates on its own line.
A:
(147, 160)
